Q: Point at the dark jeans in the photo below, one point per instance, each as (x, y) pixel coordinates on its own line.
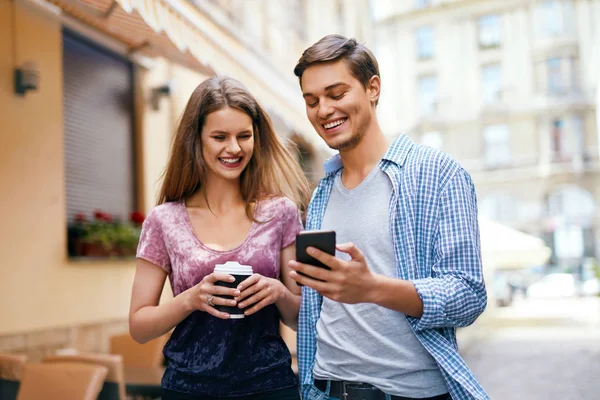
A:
(281, 394)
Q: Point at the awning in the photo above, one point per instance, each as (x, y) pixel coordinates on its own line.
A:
(503, 247)
(130, 29)
(181, 32)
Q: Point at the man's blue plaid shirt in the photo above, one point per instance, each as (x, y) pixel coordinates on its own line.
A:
(433, 223)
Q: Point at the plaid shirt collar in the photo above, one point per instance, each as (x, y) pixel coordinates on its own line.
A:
(396, 154)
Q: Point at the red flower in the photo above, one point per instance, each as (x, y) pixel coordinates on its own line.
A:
(80, 217)
(102, 216)
(137, 217)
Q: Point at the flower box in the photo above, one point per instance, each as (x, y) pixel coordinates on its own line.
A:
(104, 236)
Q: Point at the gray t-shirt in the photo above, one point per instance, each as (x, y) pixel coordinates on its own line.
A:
(366, 342)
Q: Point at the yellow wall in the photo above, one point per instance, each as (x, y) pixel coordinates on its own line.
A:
(39, 287)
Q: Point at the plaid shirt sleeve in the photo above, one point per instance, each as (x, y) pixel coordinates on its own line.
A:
(310, 309)
(454, 296)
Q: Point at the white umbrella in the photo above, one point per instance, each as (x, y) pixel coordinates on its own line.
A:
(507, 248)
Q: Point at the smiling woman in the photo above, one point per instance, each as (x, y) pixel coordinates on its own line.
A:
(227, 142)
(231, 192)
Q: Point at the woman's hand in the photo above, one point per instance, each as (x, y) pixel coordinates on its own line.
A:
(259, 291)
(200, 296)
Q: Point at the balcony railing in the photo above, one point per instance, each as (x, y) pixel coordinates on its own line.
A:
(532, 166)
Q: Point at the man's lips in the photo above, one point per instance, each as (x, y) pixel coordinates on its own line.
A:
(334, 123)
(334, 126)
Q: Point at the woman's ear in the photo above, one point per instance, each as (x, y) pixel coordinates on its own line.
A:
(374, 89)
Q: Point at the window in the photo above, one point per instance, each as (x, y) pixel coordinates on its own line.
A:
(558, 138)
(551, 18)
(432, 139)
(497, 145)
(428, 94)
(577, 129)
(98, 142)
(492, 83)
(566, 138)
(500, 207)
(297, 15)
(556, 81)
(573, 202)
(560, 74)
(425, 43)
(489, 31)
(573, 209)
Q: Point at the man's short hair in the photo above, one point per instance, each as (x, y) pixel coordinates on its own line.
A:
(360, 60)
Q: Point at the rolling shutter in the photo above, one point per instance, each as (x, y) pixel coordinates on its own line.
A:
(98, 126)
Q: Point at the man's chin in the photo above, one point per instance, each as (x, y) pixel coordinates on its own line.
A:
(345, 144)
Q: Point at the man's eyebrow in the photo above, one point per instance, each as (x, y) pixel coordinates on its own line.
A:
(328, 88)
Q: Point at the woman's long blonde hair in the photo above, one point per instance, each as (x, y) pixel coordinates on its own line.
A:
(272, 170)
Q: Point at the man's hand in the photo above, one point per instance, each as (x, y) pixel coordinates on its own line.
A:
(347, 282)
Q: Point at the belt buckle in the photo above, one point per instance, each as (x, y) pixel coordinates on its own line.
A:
(345, 393)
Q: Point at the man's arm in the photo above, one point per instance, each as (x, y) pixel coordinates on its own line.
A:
(455, 295)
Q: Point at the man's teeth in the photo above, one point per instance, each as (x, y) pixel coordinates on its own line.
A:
(334, 124)
(230, 160)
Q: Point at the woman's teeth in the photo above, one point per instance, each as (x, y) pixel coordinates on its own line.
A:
(230, 160)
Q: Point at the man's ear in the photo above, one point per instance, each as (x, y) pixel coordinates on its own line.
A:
(374, 89)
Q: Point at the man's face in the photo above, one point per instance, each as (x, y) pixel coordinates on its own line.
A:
(338, 106)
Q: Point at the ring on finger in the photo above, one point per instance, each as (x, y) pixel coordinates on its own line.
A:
(209, 300)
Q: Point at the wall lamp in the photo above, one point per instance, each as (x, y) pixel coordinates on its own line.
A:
(26, 78)
(159, 92)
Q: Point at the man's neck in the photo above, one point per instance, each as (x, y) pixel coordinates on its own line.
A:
(360, 160)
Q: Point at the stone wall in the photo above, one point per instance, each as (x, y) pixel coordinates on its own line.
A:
(83, 338)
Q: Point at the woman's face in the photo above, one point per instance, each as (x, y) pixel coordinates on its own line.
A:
(227, 142)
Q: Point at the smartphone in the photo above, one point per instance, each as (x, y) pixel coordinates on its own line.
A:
(322, 240)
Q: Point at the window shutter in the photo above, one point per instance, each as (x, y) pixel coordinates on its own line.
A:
(98, 126)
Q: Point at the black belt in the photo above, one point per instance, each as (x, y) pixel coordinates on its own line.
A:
(339, 388)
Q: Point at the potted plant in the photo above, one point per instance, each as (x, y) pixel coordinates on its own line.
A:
(104, 236)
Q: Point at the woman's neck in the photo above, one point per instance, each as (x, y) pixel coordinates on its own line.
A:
(219, 196)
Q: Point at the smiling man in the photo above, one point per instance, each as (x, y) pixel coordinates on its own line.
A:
(381, 324)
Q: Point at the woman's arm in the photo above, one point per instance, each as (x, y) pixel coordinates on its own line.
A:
(259, 291)
(149, 320)
(289, 305)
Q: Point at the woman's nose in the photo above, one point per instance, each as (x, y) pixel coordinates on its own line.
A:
(233, 146)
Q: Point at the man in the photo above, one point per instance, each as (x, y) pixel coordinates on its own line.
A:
(383, 320)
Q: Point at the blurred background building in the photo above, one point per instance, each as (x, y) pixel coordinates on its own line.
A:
(90, 94)
(508, 88)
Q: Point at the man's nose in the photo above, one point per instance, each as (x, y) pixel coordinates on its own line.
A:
(325, 110)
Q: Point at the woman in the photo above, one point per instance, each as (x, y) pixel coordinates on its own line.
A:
(231, 192)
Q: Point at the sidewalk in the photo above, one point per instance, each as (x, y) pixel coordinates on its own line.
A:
(532, 313)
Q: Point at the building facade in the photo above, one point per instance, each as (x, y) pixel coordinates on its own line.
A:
(508, 88)
(90, 128)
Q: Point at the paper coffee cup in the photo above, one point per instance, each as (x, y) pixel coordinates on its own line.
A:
(240, 273)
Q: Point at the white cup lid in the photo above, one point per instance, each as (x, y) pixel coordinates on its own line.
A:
(233, 267)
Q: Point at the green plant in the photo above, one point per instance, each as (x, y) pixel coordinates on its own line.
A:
(102, 236)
